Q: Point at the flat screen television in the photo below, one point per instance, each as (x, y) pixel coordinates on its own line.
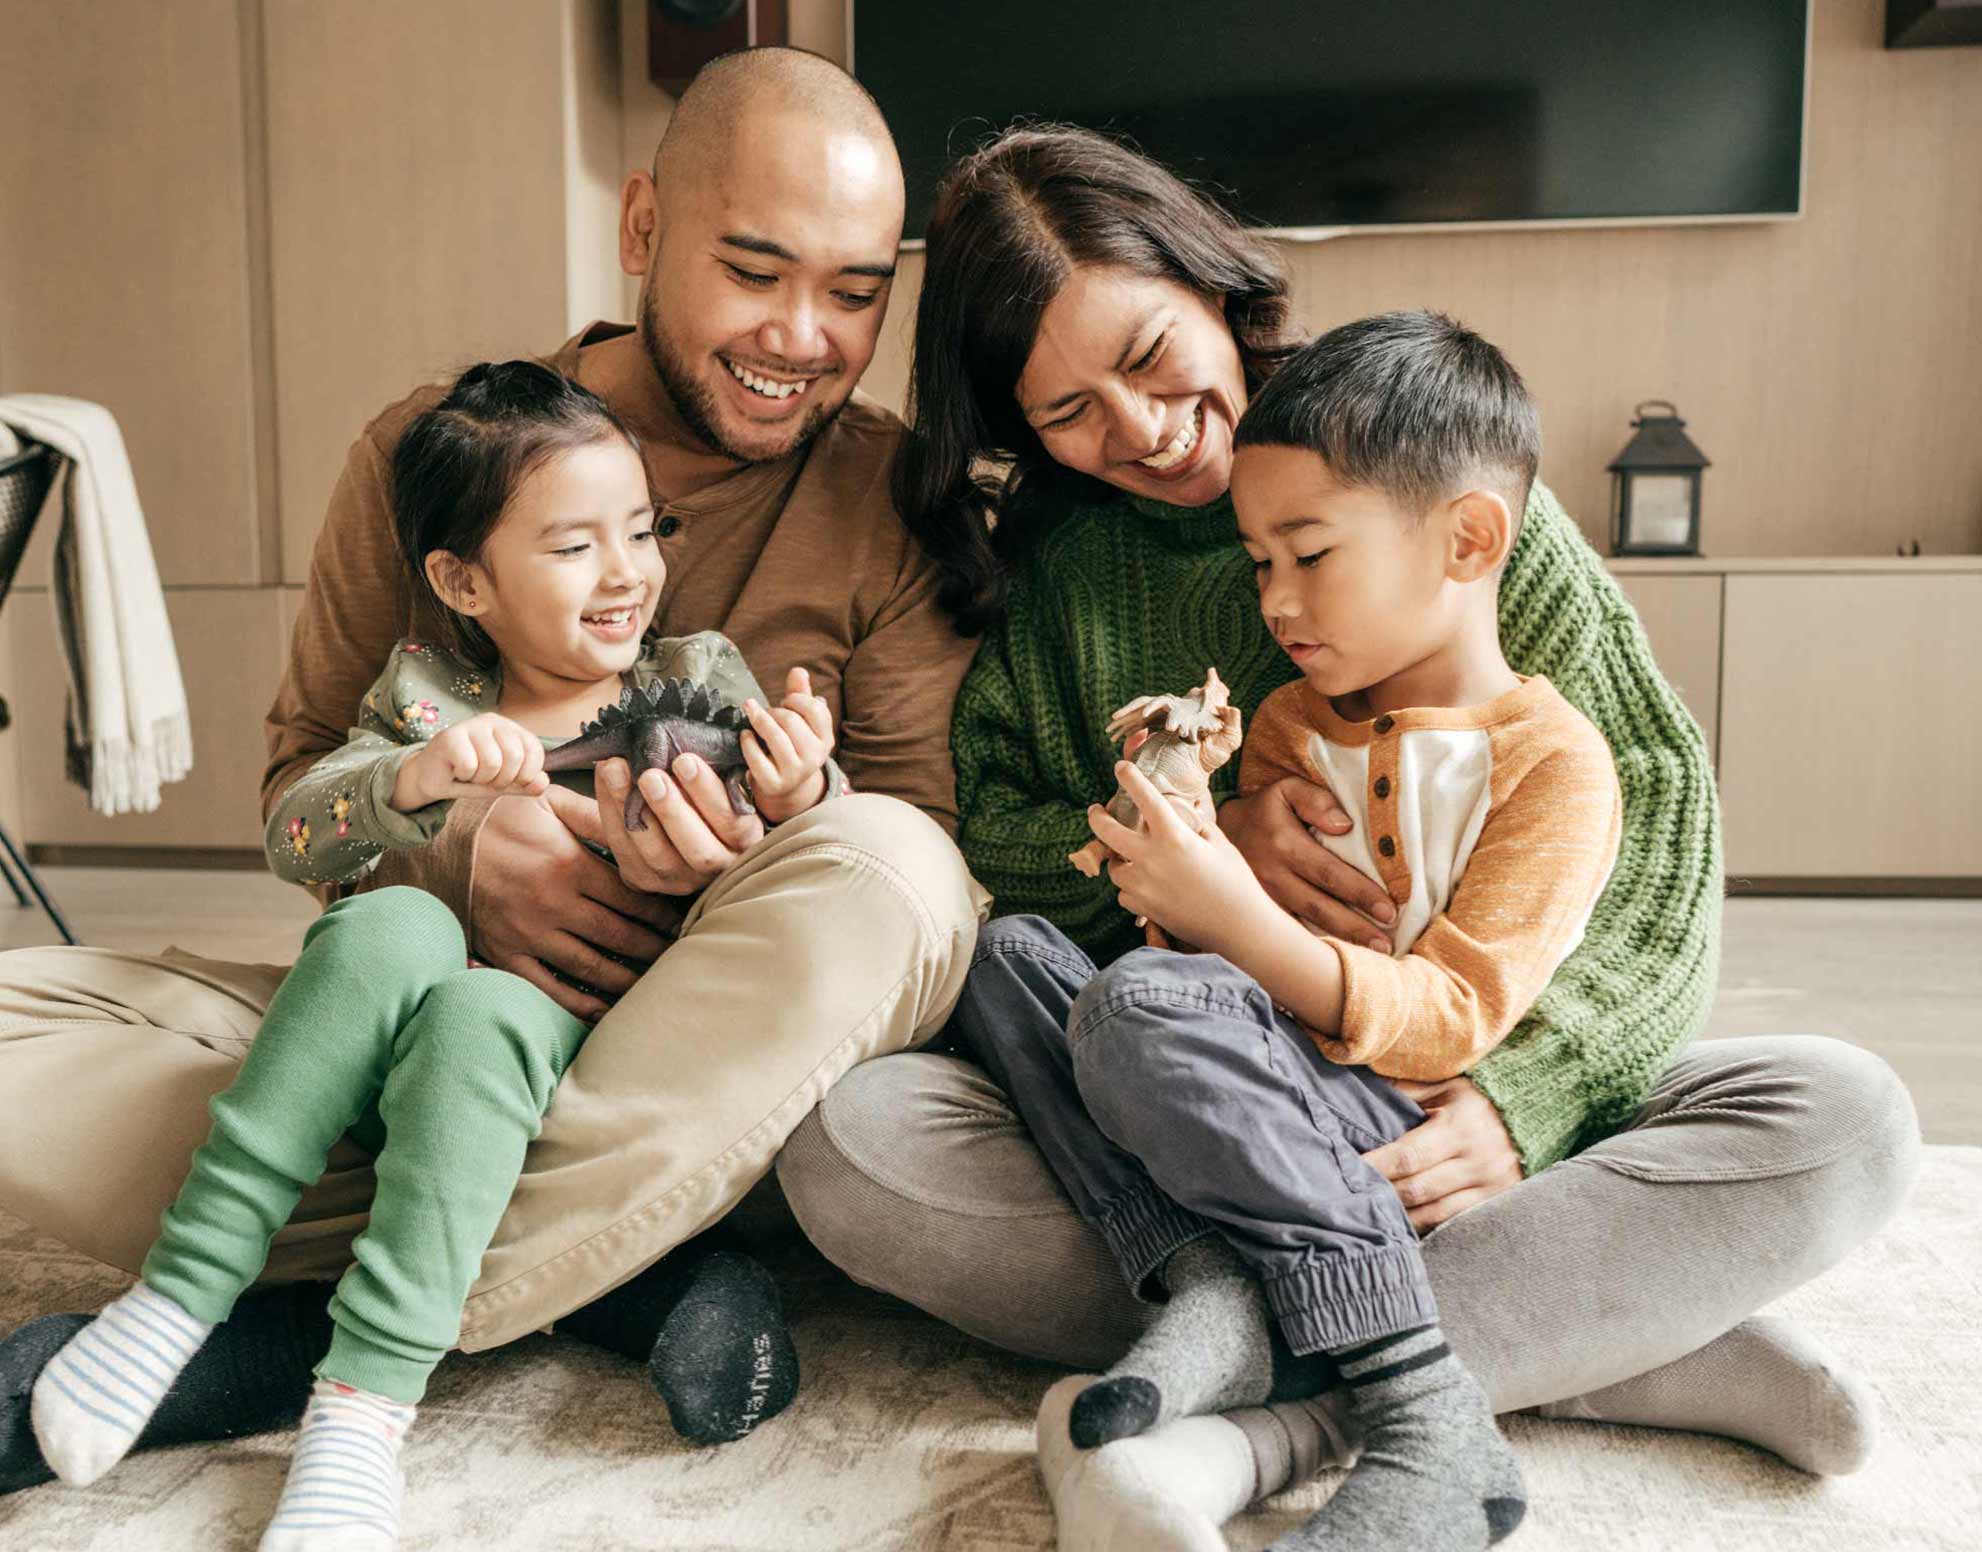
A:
(1315, 116)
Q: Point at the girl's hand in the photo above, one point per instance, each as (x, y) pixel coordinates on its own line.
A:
(787, 750)
(485, 757)
(1195, 887)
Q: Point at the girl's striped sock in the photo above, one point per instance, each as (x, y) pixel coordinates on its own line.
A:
(344, 1485)
(95, 1396)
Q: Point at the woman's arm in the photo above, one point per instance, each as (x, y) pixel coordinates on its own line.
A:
(1640, 984)
(1016, 833)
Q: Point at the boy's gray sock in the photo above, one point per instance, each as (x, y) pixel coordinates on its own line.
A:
(1208, 1350)
(1435, 1474)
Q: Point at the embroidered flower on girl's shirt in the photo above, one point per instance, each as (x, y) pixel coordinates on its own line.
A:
(469, 686)
(299, 836)
(422, 717)
(340, 810)
(415, 649)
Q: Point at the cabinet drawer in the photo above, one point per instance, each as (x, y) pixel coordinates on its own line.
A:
(1851, 726)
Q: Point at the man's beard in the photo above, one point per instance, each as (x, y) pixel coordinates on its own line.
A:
(695, 403)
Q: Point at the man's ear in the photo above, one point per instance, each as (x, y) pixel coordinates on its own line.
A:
(1481, 531)
(456, 583)
(639, 223)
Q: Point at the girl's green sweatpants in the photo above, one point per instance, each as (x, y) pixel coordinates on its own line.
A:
(459, 1065)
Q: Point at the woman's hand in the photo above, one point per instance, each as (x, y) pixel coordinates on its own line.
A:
(1195, 887)
(485, 757)
(1272, 831)
(1460, 1155)
(787, 749)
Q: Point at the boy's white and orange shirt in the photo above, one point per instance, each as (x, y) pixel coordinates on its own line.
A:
(1494, 828)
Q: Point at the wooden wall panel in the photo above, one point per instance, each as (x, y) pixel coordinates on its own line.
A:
(416, 157)
(589, 99)
(1681, 615)
(1826, 365)
(124, 255)
(231, 652)
(1849, 736)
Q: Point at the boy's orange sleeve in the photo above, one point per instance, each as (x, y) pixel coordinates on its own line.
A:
(1543, 857)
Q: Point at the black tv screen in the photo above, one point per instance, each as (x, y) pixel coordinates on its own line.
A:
(1338, 113)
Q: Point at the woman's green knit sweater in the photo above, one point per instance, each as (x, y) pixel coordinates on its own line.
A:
(1129, 597)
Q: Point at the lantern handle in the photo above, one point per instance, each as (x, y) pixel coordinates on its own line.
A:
(1671, 410)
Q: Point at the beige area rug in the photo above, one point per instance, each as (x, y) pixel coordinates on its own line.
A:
(907, 1436)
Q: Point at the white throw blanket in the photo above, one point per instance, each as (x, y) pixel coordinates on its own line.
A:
(128, 727)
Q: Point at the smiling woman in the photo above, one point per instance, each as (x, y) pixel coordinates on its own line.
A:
(1085, 316)
(1091, 329)
(1137, 382)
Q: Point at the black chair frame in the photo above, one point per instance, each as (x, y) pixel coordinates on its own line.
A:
(24, 482)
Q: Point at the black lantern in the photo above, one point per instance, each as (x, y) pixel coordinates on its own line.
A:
(1655, 509)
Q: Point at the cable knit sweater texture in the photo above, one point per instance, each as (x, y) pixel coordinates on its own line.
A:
(1126, 597)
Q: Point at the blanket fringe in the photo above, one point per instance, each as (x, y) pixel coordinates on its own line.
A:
(125, 777)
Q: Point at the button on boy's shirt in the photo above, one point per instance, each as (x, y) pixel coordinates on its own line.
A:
(1493, 827)
(802, 562)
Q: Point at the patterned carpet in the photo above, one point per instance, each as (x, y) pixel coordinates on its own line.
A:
(910, 1437)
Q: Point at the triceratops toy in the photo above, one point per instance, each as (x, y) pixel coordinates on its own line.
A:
(1176, 741)
(654, 725)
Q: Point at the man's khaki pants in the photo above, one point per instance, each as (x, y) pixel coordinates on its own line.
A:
(846, 934)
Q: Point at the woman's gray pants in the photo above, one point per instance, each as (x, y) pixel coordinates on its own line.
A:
(1754, 1165)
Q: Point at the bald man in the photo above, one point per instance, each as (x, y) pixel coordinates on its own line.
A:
(764, 238)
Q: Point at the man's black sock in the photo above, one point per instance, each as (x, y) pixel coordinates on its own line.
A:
(711, 1329)
(252, 1375)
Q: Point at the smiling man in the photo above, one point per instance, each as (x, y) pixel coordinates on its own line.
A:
(765, 240)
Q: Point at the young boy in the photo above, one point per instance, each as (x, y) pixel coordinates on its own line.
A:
(1208, 1112)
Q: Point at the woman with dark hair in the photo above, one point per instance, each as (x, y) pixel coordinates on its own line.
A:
(1013, 222)
(1611, 1205)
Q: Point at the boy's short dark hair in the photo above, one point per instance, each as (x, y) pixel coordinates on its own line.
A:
(1409, 403)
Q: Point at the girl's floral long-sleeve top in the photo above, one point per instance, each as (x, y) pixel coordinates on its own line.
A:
(337, 819)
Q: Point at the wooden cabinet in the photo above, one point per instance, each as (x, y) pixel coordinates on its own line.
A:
(1843, 700)
(1851, 726)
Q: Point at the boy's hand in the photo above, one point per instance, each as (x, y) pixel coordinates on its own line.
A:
(1195, 887)
(485, 757)
(787, 750)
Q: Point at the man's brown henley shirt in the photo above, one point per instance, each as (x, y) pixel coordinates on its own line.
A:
(802, 562)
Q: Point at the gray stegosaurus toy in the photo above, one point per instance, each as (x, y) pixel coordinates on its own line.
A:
(654, 725)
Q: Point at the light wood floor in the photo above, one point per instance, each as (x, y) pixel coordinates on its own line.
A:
(1900, 977)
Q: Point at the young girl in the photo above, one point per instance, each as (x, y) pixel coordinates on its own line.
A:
(522, 504)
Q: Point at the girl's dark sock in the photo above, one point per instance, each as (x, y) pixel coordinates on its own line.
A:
(711, 1328)
(709, 1325)
(252, 1375)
